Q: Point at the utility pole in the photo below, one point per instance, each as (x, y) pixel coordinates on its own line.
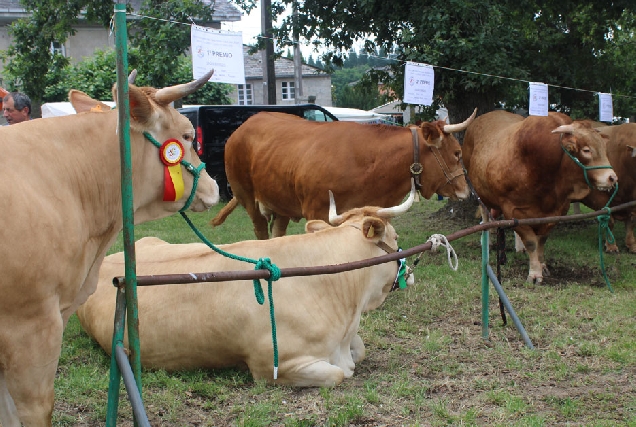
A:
(269, 73)
(298, 59)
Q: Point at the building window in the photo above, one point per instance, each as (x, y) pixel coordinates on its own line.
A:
(58, 48)
(288, 90)
(245, 95)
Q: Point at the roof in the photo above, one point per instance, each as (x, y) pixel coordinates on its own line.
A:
(283, 67)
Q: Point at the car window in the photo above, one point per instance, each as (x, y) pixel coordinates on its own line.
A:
(317, 115)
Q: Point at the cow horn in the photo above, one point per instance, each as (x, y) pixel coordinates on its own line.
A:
(169, 94)
(132, 76)
(400, 209)
(564, 129)
(460, 126)
(334, 218)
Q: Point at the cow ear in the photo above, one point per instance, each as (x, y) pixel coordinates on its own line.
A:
(631, 150)
(82, 103)
(432, 134)
(140, 107)
(316, 225)
(569, 143)
(373, 228)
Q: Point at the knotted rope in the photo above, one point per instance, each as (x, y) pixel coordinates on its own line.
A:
(260, 264)
(604, 231)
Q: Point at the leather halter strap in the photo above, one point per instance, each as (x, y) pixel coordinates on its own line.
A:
(416, 168)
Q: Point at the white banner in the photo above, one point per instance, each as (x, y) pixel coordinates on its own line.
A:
(220, 50)
(605, 109)
(418, 83)
(538, 99)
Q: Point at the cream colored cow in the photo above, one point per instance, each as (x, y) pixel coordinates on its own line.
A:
(60, 202)
(215, 325)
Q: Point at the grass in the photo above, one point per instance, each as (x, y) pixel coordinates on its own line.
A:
(427, 363)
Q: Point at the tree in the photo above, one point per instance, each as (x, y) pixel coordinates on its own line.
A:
(96, 75)
(161, 40)
(565, 43)
(30, 56)
(30, 61)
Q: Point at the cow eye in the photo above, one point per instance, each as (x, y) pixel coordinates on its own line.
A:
(587, 150)
(187, 137)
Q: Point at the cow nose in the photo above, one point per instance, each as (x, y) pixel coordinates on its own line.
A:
(612, 179)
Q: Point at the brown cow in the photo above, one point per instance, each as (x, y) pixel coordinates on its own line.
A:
(62, 210)
(216, 325)
(621, 152)
(522, 168)
(282, 166)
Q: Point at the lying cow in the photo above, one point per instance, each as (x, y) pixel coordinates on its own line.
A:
(621, 152)
(61, 212)
(525, 168)
(216, 325)
(281, 166)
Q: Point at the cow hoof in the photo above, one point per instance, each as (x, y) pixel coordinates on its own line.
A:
(632, 249)
(536, 280)
(611, 249)
(545, 271)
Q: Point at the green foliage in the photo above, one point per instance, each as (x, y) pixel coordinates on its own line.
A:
(29, 58)
(161, 41)
(587, 45)
(96, 76)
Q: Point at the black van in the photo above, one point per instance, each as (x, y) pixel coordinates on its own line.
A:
(215, 123)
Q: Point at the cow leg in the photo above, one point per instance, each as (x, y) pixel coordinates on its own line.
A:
(541, 255)
(261, 229)
(611, 248)
(358, 352)
(30, 373)
(535, 250)
(8, 411)
(630, 241)
(315, 374)
(519, 246)
(279, 225)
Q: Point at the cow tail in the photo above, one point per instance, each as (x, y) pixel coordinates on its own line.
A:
(223, 213)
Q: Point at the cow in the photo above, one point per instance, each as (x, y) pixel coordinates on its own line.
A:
(217, 325)
(532, 168)
(62, 210)
(621, 152)
(280, 167)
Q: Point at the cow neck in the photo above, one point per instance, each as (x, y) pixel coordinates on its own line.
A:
(196, 172)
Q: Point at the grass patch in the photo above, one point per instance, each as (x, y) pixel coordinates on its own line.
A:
(427, 363)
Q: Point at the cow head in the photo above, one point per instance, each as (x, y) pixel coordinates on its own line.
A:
(444, 168)
(588, 148)
(152, 121)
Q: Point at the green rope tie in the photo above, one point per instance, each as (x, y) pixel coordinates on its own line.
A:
(260, 264)
(605, 233)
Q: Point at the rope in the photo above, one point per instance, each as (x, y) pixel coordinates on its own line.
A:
(604, 231)
(438, 240)
(260, 264)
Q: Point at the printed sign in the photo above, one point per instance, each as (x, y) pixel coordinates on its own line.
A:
(538, 99)
(418, 83)
(605, 109)
(221, 50)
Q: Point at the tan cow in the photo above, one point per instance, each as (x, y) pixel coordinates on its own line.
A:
(525, 168)
(280, 167)
(216, 325)
(62, 210)
(621, 152)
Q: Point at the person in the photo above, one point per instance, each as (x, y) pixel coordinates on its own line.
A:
(16, 107)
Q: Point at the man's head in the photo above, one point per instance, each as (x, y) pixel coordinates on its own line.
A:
(16, 107)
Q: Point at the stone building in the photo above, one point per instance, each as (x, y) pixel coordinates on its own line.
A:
(316, 84)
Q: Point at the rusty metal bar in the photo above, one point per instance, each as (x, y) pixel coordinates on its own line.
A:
(339, 268)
